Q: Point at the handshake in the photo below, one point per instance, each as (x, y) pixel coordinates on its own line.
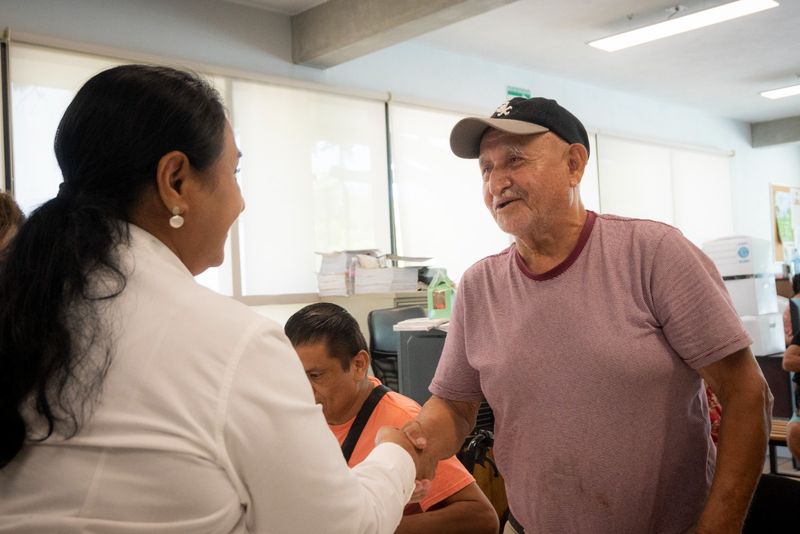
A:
(435, 434)
(412, 438)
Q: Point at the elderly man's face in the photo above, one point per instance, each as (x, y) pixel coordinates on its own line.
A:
(526, 179)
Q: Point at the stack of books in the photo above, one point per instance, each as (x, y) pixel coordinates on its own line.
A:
(386, 279)
(339, 262)
(337, 269)
(332, 284)
(364, 271)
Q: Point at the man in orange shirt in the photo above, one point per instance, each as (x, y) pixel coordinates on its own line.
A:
(336, 360)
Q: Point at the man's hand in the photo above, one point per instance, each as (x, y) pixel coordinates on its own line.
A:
(414, 433)
(422, 485)
(426, 469)
(389, 434)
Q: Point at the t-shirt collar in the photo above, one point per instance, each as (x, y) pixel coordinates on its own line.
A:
(568, 261)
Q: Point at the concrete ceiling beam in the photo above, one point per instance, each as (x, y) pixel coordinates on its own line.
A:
(775, 132)
(340, 30)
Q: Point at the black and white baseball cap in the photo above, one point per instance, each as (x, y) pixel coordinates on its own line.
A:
(521, 116)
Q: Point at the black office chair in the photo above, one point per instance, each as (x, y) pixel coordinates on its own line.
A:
(384, 341)
(774, 507)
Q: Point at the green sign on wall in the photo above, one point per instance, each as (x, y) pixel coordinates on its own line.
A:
(512, 92)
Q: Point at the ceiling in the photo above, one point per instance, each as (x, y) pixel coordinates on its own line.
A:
(720, 69)
(287, 7)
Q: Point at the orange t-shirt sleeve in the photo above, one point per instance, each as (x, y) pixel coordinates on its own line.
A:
(451, 477)
(396, 410)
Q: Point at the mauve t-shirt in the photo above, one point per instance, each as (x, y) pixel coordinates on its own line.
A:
(601, 421)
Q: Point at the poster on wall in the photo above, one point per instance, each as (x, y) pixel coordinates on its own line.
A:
(783, 216)
(785, 219)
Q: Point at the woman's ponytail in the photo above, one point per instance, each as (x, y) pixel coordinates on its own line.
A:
(54, 350)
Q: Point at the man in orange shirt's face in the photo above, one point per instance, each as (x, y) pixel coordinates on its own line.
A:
(340, 387)
(335, 367)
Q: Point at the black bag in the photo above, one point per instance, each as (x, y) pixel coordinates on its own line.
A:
(349, 443)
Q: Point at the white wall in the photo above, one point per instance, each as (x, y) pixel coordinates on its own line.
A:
(753, 170)
(231, 35)
(207, 31)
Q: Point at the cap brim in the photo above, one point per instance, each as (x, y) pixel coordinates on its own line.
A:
(465, 139)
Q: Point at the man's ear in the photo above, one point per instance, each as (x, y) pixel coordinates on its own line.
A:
(577, 156)
(172, 173)
(360, 362)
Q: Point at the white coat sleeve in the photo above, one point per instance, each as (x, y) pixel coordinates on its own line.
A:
(287, 465)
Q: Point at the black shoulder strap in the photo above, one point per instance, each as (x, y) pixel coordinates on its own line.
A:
(363, 416)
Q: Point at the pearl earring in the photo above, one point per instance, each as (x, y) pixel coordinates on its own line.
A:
(176, 221)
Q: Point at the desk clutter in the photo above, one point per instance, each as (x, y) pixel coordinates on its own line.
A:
(359, 272)
(419, 324)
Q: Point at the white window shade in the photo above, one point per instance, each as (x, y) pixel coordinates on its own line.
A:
(43, 83)
(702, 195)
(689, 189)
(314, 177)
(635, 179)
(438, 199)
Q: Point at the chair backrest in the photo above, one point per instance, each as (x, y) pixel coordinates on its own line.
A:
(794, 314)
(775, 504)
(383, 341)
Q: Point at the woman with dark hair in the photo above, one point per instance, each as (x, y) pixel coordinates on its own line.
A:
(131, 398)
(11, 218)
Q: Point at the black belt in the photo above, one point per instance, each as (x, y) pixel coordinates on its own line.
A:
(515, 523)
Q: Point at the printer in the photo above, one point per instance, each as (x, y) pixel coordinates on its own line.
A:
(744, 263)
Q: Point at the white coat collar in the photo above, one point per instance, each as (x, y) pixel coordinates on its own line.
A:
(144, 241)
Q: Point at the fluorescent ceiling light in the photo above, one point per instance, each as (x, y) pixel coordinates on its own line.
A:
(693, 21)
(783, 92)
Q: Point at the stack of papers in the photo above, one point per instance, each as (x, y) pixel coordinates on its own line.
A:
(332, 284)
(421, 323)
(336, 270)
(386, 280)
(339, 262)
(348, 272)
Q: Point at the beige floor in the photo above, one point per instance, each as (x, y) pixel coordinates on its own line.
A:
(784, 466)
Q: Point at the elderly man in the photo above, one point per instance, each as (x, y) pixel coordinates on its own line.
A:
(335, 357)
(590, 337)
